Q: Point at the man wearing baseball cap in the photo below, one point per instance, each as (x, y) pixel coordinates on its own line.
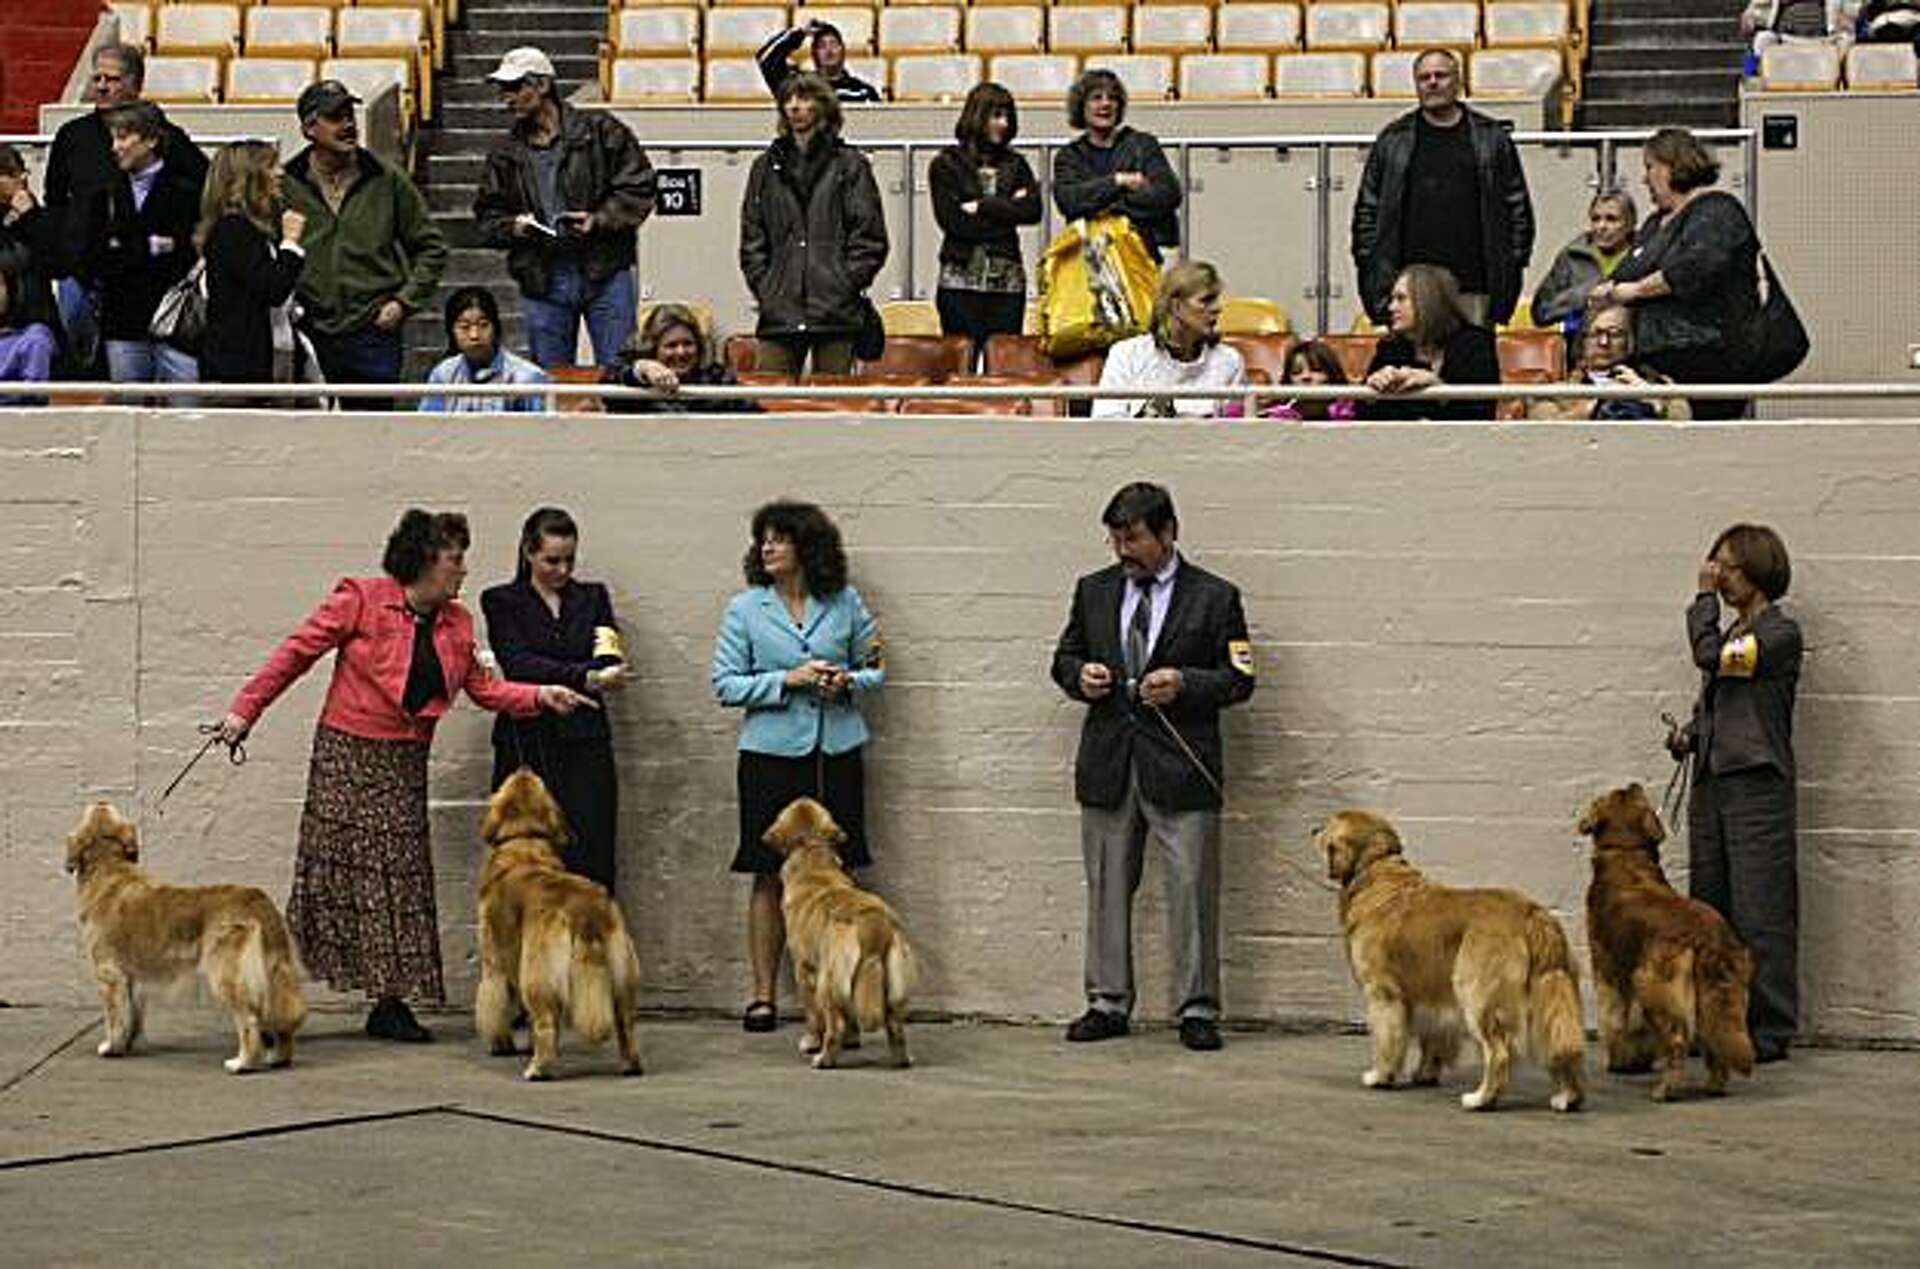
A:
(565, 194)
(374, 254)
(829, 49)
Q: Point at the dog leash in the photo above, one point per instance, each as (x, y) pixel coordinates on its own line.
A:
(236, 755)
(1679, 784)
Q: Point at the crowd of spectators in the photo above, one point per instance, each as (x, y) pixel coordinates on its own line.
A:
(308, 270)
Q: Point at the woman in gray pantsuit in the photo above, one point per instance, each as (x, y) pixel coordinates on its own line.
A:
(1740, 820)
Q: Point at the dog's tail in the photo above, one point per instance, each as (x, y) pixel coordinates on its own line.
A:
(270, 973)
(590, 986)
(1721, 974)
(1558, 1035)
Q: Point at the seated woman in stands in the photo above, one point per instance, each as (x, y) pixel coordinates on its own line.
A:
(1181, 349)
(668, 352)
(1430, 341)
(1312, 364)
(1606, 356)
(27, 343)
(1587, 261)
(477, 356)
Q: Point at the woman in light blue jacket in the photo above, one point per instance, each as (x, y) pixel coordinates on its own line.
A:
(799, 652)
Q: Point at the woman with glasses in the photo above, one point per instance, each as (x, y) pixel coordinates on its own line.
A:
(1606, 352)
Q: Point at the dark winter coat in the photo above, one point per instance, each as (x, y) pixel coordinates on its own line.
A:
(120, 247)
(1082, 189)
(812, 238)
(955, 179)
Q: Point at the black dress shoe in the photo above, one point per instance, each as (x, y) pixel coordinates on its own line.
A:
(1201, 1035)
(1765, 1051)
(392, 1020)
(1097, 1024)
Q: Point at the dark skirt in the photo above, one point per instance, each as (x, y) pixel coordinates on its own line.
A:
(768, 783)
(362, 908)
(580, 775)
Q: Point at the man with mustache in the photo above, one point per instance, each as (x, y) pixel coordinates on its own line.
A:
(374, 254)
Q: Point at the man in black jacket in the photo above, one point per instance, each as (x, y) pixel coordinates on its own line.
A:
(565, 194)
(829, 49)
(80, 171)
(1443, 185)
(1156, 646)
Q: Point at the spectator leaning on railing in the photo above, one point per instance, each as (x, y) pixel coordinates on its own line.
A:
(373, 252)
(565, 194)
(475, 355)
(1181, 349)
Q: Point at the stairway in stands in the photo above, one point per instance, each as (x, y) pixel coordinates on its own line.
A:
(1660, 62)
(471, 121)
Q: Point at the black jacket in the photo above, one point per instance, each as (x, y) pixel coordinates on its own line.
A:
(812, 238)
(603, 170)
(1709, 254)
(536, 647)
(1471, 356)
(776, 67)
(955, 179)
(247, 274)
(80, 164)
(120, 242)
(1744, 716)
(1204, 636)
(30, 241)
(1081, 189)
(1506, 213)
(704, 376)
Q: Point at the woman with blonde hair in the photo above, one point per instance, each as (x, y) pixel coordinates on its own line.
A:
(251, 244)
(671, 349)
(1181, 349)
(1430, 341)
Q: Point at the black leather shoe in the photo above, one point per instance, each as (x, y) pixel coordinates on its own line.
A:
(1199, 1034)
(392, 1020)
(1097, 1024)
(1766, 1051)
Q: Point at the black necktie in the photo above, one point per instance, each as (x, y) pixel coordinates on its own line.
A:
(1140, 629)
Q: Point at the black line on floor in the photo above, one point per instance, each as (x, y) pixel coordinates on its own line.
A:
(47, 1057)
(220, 1138)
(929, 1192)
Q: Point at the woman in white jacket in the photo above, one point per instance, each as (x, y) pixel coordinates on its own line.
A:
(1181, 349)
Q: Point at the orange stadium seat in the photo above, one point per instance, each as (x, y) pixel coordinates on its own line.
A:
(932, 358)
(1514, 72)
(1527, 23)
(1796, 67)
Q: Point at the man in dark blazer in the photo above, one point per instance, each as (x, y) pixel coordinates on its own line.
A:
(1156, 646)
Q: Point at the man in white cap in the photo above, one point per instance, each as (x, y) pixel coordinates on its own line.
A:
(374, 254)
(565, 194)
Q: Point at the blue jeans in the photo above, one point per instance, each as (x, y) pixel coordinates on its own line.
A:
(150, 361)
(367, 355)
(80, 314)
(610, 309)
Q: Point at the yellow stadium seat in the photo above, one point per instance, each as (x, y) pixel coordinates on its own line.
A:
(1446, 24)
(910, 317)
(854, 22)
(1252, 315)
(182, 79)
(1173, 28)
(368, 77)
(1793, 66)
(1098, 29)
(289, 30)
(1527, 23)
(1359, 25)
(1035, 76)
(655, 79)
(934, 76)
(1006, 29)
(1256, 28)
(1882, 68)
(1305, 75)
(736, 79)
(1514, 72)
(269, 80)
(1224, 76)
(743, 29)
(661, 32)
(136, 22)
(920, 29)
(1390, 73)
(1148, 76)
(197, 30)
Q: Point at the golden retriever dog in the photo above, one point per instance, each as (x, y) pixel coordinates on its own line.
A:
(1667, 969)
(850, 957)
(1431, 959)
(143, 936)
(551, 941)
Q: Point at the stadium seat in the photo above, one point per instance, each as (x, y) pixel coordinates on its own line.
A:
(1348, 24)
(1427, 25)
(1256, 28)
(854, 22)
(742, 30)
(1522, 318)
(1020, 356)
(1390, 73)
(289, 30)
(816, 405)
(1148, 76)
(1319, 75)
(1526, 24)
(392, 32)
(1035, 76)
(933, 358)
(1882, 68)
(368, 77)
(735, 79)
(136, 22)
(1514, 72)
(1006, 29)
(268, 80)
(182, 79)
(1792, 66)
(920, 29)
(871, 69)
(1097, 28)
(934, 76)
(433, 19)
(909, 317)
(1004, 406)
(1265, 355)
(1252, 315)
(1525, 354)
(1172, 28)
(661, 32)
(655, 79)
(197, 30)
(1355, 353)
(1224, 76)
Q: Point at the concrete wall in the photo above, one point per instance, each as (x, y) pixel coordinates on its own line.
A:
(1472, 627)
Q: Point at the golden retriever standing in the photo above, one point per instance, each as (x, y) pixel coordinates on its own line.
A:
(552, 941)
(849, 955)
(1430, 958)
(1667, 969)
(142, 935)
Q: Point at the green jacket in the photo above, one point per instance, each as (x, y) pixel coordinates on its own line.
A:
(383, 244)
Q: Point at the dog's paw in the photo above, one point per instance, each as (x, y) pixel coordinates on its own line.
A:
(1476, 1100)
(1665, 1091)
(823, 1061)
(536, 1074)
(239, 1066)
(1373, 1078)
(809, 1043)
(632, 1070)
(1565, 1100)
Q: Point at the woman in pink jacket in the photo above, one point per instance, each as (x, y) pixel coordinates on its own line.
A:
(362, 906)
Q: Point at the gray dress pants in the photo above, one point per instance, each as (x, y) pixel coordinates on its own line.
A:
(1743, 861)
(1113, 846)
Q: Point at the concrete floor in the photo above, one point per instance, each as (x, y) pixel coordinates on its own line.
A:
(1003, 1146)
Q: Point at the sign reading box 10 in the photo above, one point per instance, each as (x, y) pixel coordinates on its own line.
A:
(676, 191)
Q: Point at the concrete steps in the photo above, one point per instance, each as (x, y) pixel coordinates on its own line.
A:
(1656, 63)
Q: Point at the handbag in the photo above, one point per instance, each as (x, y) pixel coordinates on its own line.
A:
(870, 341)
(180, 319)
(1774, 341)
(1097, 281)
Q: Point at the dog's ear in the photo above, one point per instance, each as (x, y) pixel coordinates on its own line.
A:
(1590, 819)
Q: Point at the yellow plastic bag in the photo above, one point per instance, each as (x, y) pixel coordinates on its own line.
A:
(1097, 281)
